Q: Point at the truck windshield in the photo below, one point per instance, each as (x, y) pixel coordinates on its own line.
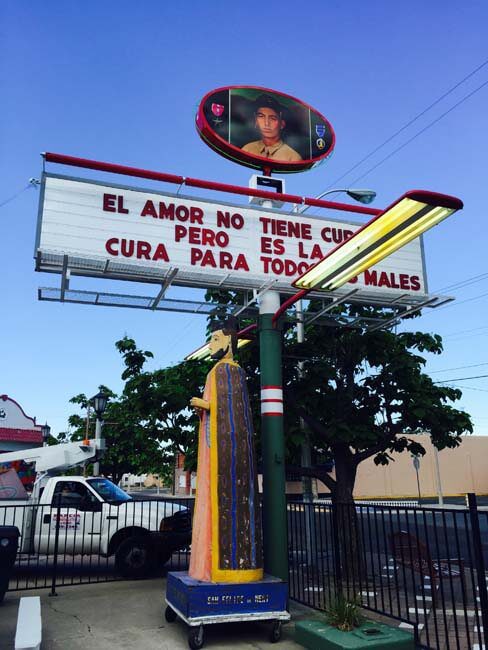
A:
(108, 491)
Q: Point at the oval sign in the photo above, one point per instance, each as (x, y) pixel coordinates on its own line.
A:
(264, 129)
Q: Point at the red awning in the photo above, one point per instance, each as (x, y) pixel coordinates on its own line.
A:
(20, 435)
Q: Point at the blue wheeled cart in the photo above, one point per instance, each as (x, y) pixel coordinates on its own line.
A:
(205, 603)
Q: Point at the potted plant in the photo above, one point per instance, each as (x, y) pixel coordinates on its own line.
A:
(345, 627)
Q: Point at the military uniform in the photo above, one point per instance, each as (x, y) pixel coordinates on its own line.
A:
(278, 151)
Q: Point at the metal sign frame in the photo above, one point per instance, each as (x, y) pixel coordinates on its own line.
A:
(71, 266)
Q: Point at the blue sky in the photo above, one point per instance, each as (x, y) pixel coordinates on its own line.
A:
(117, 82)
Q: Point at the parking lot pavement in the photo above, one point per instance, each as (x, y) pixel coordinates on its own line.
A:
(128, 615)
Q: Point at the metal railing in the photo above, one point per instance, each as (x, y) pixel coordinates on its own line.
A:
(61, 546)
(424, 567)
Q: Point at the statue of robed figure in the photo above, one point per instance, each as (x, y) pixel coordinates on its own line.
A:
(226, 539)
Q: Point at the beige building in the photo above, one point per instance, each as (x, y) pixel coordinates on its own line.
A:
(464, 469)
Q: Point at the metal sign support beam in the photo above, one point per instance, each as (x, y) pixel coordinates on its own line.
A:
(172, 273)
(272, 440)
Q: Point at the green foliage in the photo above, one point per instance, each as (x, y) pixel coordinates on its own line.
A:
(360, 393)
(150, 421)
(364, 393)
(344, 614)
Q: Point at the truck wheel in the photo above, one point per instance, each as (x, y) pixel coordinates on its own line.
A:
(163, 557)
(135, 557)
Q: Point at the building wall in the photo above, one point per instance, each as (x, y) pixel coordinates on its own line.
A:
(462, 470)
(17, 430)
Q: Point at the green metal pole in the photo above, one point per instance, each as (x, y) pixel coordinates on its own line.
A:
(275, 532)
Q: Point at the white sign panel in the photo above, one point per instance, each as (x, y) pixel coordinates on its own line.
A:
(205, 241)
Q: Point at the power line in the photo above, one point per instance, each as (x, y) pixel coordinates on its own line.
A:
(414, 137)
(447, 381)
(455, 304)
(405, 126)
(14, 196)
(33, 182)
(481, 390)
(475, 329)
(476, 365)
(464, 283)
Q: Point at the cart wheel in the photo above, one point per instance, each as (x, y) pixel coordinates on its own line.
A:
(170, 615)
(195, 638)
(275, 634)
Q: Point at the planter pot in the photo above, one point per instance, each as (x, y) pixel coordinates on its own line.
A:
(319, 635)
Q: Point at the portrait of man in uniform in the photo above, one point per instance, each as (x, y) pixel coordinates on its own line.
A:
(269, 123)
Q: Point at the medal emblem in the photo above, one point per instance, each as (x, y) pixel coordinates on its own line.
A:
(320, 143)
(217, 109)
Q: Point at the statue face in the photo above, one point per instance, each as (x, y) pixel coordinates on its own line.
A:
(219, 344)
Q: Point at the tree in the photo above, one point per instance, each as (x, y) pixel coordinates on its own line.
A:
(160, 402)
(150, 420)
(362, 393)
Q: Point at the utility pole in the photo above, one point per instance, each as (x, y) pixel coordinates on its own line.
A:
(440, 497)
(87, 432)
(306, 460)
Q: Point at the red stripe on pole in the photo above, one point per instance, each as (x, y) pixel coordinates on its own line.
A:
(272, 414)
(276, 400)
(268, 386)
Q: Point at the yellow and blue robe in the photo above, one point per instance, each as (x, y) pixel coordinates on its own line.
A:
(226, 540)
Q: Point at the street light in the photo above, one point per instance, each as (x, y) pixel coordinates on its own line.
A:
(99, 405)
(407, 218)
(416, 464)
(46, 432)
(363, 196)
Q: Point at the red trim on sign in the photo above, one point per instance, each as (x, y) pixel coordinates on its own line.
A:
(423, 196)
(112, 168)
(432, 198)
(332, 205)
(238, 189)
(61, 159)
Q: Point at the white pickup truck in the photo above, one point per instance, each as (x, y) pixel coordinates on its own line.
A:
(92, 516)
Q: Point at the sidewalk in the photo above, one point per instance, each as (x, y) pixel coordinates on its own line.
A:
(129, 615)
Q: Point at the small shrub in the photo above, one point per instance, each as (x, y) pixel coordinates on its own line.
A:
(344, 614)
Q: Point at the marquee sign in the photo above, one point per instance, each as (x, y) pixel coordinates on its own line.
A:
(205, 243)
(264, 129)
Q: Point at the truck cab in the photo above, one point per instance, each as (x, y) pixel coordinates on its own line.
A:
(77, 515)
